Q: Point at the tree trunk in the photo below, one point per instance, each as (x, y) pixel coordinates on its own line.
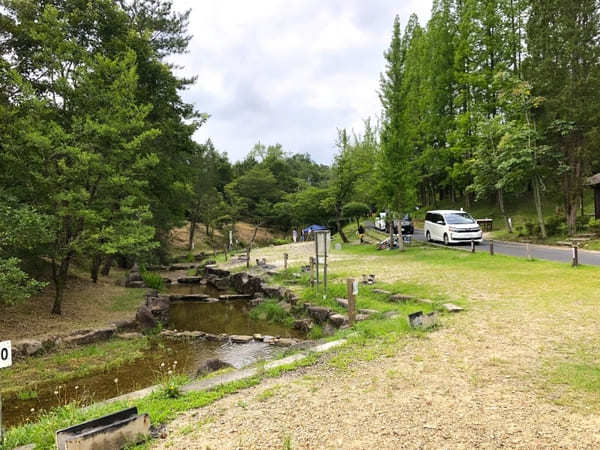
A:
(108, 262)
(467, 200)
(537, 198)
(96, 263)
(59, 276)
(192, 233)
(500, 196)
(338, 222)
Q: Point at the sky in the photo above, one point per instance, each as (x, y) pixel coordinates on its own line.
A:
(288, 71)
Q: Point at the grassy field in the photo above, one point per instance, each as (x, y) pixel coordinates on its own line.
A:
(529, 329)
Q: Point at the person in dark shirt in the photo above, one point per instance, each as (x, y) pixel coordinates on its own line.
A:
(361, 233)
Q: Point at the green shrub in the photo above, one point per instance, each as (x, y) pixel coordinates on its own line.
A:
(153, 280)
(277, 241)
(532, 228)
(555, 225)
(594, 226)
(316, 332)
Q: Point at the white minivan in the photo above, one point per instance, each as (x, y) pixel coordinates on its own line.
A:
(450, 227)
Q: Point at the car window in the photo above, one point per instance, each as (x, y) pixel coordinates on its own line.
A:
(429, 217)
(459, 218)
(440, 218)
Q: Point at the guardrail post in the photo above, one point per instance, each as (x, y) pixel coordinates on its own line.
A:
(575, 256)
(492, 248)
(472, 246)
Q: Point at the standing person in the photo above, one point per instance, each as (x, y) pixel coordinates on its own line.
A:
(294, 235)
(361, 233)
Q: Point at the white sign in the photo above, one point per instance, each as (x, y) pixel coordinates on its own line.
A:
(355, 287)
(5, 354)
(321, 259)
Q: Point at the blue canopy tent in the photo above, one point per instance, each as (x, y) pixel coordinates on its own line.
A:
(306, 233)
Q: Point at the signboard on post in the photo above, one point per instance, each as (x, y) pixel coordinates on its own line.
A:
(5, 354)
(5, 361)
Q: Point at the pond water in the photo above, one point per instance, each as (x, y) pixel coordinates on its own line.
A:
(230, 317)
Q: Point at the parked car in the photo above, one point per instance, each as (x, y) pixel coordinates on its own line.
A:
(408, 227)
(450, 227)
(382, 224)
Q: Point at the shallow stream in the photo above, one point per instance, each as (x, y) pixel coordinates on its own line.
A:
(230, 317)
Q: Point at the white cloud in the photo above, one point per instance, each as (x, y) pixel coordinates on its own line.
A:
(288, 71)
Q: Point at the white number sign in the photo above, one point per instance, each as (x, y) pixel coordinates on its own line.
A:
(5, 354)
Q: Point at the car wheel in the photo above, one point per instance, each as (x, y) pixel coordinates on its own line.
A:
(446, 241)
(428, 236)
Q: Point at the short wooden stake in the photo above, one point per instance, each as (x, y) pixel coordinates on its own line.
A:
(528, 252)
(248, 260)
(575, 256)
(225, 251)
(492, 248)
(472, 246)
(285, 261)
(351, 300)
(312, 270)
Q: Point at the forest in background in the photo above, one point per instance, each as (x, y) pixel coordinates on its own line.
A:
(490, 99)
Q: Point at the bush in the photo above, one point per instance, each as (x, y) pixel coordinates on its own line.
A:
(278, 241)
(532, 228)
(555, 225)
(153, 280)
(594, 226)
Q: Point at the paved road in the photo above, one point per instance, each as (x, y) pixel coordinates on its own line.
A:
(537, 251)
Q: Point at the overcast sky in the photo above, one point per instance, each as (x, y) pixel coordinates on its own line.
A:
(288, 71)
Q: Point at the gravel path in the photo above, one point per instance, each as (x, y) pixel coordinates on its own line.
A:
(474, 383)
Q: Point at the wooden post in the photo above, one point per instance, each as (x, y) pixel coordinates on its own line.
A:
(311, 261)
(248, 256)
(1, 433)
(528, 252)
(351, 300)
(285, 261)
(225, 251)
(492, 248)
(472, 246)
(575, 255)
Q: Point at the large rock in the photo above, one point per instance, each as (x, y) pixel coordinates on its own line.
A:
(342, 302)
(277, 292)
(189, 280)
(381, 291)
(368, 312)
(219, 283)
(401, 298)
(159, 307)
(285, 342)
(212, 365)
(188, 297)
(422, 321)
(245, 283)
(126, 325)
(102, 334)
(304, 325)
(318, 313)
(339, 320)
(145, 318)
(235, 297)
(240, 339)
(451, 307)
(134, 278)
(214, 270)
(27, 347)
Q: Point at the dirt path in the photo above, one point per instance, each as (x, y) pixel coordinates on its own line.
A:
(475, 383)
